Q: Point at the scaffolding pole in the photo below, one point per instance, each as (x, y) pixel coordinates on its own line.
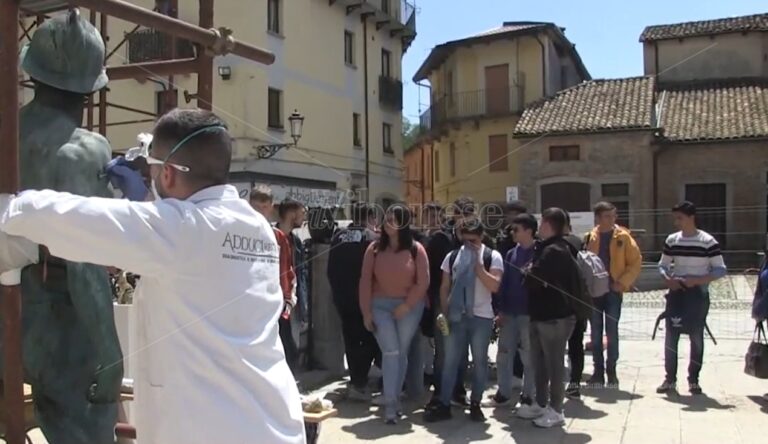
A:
(13, 373)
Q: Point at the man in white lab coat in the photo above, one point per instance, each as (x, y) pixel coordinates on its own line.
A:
(211, 368)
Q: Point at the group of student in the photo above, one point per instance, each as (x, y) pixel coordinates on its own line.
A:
(396, 288)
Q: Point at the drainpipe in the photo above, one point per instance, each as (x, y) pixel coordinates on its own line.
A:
(367, 122)
(656, 59)
(655, 167)
(543, 67)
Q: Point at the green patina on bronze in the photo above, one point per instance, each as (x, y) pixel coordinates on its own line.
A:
(72, 356)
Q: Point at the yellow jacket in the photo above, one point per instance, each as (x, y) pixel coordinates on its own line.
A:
(626, 259)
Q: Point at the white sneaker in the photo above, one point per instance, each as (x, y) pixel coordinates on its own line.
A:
(549, 419)
(531, 411)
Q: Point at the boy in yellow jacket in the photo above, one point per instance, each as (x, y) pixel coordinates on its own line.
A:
(622, 258)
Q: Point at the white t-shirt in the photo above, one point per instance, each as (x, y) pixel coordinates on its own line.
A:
(483, 307)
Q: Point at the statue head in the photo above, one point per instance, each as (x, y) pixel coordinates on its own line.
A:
(66, 53)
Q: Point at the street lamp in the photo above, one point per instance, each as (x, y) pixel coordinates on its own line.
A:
(297, 125)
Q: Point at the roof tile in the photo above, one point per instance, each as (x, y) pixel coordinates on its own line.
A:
(718, 111)
(596, 105)
(756, 22)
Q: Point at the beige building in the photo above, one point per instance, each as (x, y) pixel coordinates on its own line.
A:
(479, 87)
(338, 63)
(646, 143)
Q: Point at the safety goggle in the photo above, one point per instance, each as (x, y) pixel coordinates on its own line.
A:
(146, 150)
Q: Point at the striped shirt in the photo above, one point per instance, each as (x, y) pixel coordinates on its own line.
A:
(697, 255)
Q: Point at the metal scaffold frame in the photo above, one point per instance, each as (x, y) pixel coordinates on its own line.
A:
(210, 42)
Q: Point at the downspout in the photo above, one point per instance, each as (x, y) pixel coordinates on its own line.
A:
(655, 168)
(656, 59)
(367, 122)
(543, 67)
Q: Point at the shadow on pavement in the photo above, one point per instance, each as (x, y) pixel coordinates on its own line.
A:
(760, 400)
(609, 395)
(697, 403)
(575, 408)
(524, 432)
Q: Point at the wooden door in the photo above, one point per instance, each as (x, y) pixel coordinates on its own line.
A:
(497, 89)
(710, 200)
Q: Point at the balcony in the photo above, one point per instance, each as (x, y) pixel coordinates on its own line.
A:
(391, 93)
(148, 45)
(397, 16)
(478, 104)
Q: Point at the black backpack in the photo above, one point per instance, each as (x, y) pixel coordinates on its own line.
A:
(487, 258)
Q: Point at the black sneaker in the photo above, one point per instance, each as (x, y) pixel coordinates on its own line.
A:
(439, 413)
(596, 381)
(694, 388)
(572, 391)
(666, 387)
(429, 381)
(475, 413)
(525, 400)
(460, 400)
(434, 402)
(500, 400)
(613, 381)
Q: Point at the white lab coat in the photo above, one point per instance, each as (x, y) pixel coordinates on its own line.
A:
(210, 365)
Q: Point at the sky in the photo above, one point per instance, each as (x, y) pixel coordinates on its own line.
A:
(605, 32)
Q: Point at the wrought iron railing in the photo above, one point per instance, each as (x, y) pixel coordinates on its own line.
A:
(472, 104)
(391, 92)
(147, 45)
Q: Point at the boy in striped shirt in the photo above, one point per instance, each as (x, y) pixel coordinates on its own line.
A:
(690, 261)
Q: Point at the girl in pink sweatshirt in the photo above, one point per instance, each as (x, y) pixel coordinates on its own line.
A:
(393, 288)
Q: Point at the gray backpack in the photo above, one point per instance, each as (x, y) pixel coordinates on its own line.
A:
(596, 277)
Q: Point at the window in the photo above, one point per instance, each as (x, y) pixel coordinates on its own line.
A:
(711, 201)
(437, 166)
(497, 153)
(452, 159)
(275, 111)
(385, 6)
(356, 129)
(387, 137)
(386, 66)
(273, 16)
(564, 153)
(618, 195)
(349, 48)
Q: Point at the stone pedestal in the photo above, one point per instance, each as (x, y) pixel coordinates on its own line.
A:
(327, 341)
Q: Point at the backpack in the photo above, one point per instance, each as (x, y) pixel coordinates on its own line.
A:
(596, 277)
(580, 300)
(487, 258)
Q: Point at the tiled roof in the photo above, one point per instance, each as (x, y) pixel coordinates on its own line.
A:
(441, 52)
(596, 105)
(757, 22)
(509, 27)
(718, 111)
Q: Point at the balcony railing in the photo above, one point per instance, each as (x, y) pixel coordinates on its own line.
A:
(398, 16)
(391, 93)
(148, 45)
(472, 104)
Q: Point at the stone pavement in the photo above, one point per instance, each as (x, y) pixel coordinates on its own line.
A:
(731, 410)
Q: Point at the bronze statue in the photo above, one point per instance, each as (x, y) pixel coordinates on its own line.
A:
(72, 356)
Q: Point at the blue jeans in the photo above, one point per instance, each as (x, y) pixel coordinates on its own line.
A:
(607, 312)
(394, 337)
(474, 332)
(514, 336)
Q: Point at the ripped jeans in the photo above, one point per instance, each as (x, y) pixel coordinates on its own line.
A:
(394, 337)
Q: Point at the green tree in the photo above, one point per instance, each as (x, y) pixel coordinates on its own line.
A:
(410, 133)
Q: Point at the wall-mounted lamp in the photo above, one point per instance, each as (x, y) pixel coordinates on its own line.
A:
(225, 72)
(297, 125)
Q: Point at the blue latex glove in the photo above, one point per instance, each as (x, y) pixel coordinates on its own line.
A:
(126, 179)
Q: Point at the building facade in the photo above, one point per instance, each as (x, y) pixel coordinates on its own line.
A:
(694, 130)
(479, 86)
(417, 175)
(338, 64)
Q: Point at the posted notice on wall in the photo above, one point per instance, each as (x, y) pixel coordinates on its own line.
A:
(513, 194)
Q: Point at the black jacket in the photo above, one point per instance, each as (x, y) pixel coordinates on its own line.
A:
(505, 241)
(439, 244)
(552, 273)
(345, 263)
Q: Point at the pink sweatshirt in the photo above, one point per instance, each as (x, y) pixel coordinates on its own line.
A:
(393, 275)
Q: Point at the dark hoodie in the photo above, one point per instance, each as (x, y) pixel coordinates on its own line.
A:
(552, 273)
(345, 263)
